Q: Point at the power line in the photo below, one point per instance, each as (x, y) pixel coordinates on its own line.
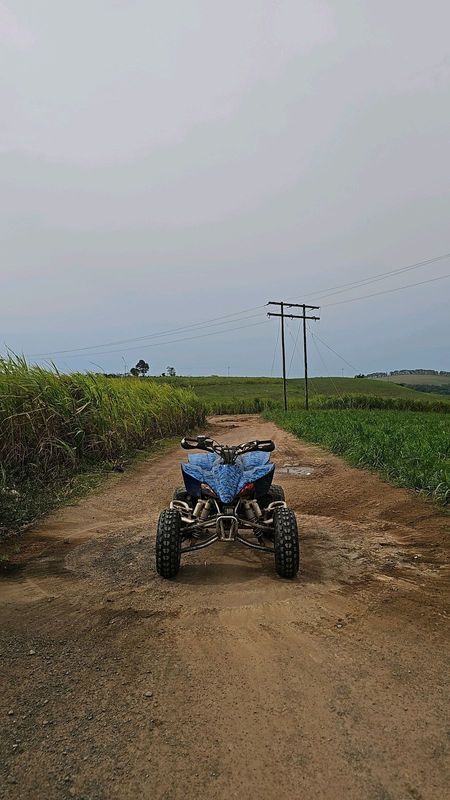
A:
(311, 388)
(295, 345)
(172, 341)
(338, 289)
(330, 377)
(274, 352)
(386, 291)
(205, 324)
(374, 278)
(316, 336)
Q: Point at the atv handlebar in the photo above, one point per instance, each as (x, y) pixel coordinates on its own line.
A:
(229, 453)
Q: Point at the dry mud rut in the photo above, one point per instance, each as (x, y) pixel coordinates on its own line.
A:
(230, 682)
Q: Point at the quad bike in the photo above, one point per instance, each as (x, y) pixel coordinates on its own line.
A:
(227, 489)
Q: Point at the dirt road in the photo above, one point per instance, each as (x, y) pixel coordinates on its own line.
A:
(230, 682)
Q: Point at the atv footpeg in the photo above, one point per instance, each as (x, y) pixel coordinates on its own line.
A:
(226, 527)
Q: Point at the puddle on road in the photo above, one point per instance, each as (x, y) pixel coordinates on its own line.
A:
(299, 470)
(24, 582)
(47, 563)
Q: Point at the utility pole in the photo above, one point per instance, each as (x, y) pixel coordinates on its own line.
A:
(304, 317)
(283, 351)
(305, 359)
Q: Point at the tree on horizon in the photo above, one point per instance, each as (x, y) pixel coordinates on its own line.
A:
(141, 368)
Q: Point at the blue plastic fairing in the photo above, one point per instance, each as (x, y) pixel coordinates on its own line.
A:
(227, 480)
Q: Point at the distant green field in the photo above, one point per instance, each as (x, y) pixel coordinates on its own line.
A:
(246, 395)
(223, 388)
(416, 380)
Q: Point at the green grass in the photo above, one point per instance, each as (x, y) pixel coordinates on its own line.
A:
(248, 395)
(409, 449)
(54, 428)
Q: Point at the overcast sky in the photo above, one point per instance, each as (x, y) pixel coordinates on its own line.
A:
(167, 163)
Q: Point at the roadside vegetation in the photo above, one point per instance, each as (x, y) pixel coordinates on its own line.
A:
(409, 449)
(54, 427)
(60, 433)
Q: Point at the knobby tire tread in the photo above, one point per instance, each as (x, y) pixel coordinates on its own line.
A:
(286, 545)
(168, 543)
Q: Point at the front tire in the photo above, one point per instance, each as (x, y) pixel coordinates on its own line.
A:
(168, 543)
(287, 555)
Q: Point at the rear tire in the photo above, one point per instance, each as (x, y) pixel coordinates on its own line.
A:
(180, 493)
(287, 556)
(168, 543)
(276, 493)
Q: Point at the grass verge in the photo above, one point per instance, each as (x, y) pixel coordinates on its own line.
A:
(409, 449)
(58, 433)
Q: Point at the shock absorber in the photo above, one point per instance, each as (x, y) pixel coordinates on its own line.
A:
(202, 509)
(204, 514)
(199, 506)
(254, 505)
(250, 511)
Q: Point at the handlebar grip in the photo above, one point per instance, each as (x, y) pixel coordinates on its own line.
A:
(189, 444)
(197, 443)
(266, 445)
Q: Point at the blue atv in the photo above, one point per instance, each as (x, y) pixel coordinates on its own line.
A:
(227, 489)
